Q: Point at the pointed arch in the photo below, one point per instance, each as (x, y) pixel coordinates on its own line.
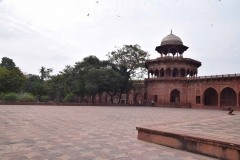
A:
(139, 98)
(165, 51)
(156, 73)
(210, 97)
(168, 72)
(130, 97)
(175, 72)
(228, 97)
(162, 72)
(182, 72)
(175, 96)
(173, 51)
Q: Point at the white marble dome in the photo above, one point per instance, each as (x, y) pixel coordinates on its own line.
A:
(171, 39)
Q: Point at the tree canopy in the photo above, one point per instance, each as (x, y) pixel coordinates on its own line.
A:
(11, 77)
(130, 57)
(87, 78)
(7, 63)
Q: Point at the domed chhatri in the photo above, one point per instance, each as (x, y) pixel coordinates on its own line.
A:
(171, 63)
(171, 44)
(172, 40)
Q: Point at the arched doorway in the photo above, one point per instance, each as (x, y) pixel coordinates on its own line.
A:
(210, 97)
(175, 96)
(139, 98)
(228, 97)
(130, 97)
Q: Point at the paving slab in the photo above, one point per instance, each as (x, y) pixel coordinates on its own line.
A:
(101, 132)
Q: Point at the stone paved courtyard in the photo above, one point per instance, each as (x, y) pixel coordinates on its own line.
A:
(85, 132)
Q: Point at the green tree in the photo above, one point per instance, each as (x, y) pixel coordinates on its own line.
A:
(31, 80)
(129, 61)
(80, 89)
(81, 70)
(132, 58)
(39, 90)
(11, 80)
(45, 73)
(58, 86)
(7, 63)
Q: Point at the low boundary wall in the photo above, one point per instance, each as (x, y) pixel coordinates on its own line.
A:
(184, 105)
(225, 150)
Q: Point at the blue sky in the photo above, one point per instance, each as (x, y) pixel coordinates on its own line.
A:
(55, 33)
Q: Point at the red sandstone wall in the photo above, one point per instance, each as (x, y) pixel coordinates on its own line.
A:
(190, 89)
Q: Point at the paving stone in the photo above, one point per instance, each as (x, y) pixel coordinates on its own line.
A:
(103, 132)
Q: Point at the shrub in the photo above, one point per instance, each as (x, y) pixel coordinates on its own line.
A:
(26, 97)
(1, 96)
(56, 100)
(10, 97)
(45, 98)
(69, 98)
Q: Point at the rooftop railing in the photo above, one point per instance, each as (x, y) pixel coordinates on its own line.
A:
(194, 78)
(216, 76)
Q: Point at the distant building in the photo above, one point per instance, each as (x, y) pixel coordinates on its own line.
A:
(172, 80)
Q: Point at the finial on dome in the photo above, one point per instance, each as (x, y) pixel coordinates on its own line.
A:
(171, 31)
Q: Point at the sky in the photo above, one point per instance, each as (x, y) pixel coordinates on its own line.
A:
(56, 33)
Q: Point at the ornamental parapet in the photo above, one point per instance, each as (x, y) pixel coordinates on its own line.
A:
(236, 75)
(170, 59)
(223, 76)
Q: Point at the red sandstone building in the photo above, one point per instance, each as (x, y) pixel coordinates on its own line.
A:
(172, 80)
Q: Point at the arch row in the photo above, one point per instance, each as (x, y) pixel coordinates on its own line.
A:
(173, 50)
(133, 98)
(226, 97)
(175, 72)
(211, 96)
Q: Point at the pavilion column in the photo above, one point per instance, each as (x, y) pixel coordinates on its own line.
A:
(171, 72)
(219, 99)
(165, 73)
(148, 74)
